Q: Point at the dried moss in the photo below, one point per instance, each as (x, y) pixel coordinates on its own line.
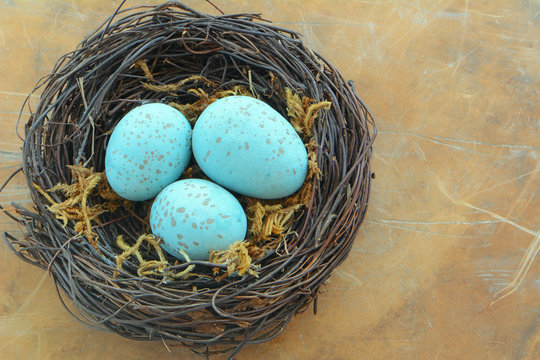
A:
(76, 207)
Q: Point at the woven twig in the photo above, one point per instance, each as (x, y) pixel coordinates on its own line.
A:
(86, 95)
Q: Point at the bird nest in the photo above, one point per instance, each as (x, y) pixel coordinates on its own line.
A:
(98, 247)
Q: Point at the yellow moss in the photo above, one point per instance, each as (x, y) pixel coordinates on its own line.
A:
(236, 258)
(75, 207)
(268, 220)
(172, 88)
(193, 110)
(148, 267)
(303, 112)
(141, 64)
(313, 168)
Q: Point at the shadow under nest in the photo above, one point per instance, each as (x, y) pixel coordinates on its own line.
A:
(89, 91)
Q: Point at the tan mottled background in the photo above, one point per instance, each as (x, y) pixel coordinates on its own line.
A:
(454, 87)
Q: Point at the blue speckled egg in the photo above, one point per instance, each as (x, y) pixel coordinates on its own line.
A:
(196, 215)
(149, 148)
(246, 146)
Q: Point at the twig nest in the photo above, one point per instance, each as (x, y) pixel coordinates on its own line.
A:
(103, 258)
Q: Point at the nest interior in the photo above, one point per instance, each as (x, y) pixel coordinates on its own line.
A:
(88, 92)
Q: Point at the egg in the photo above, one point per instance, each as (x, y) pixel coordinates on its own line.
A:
(246, 146)
(149, 148)
(197, 215)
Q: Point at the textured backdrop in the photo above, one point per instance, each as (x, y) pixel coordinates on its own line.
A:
(454, 87)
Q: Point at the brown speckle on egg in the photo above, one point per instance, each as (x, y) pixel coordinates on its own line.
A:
(182, 244)
(218, 140)
(195, 243)
(194, 225)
